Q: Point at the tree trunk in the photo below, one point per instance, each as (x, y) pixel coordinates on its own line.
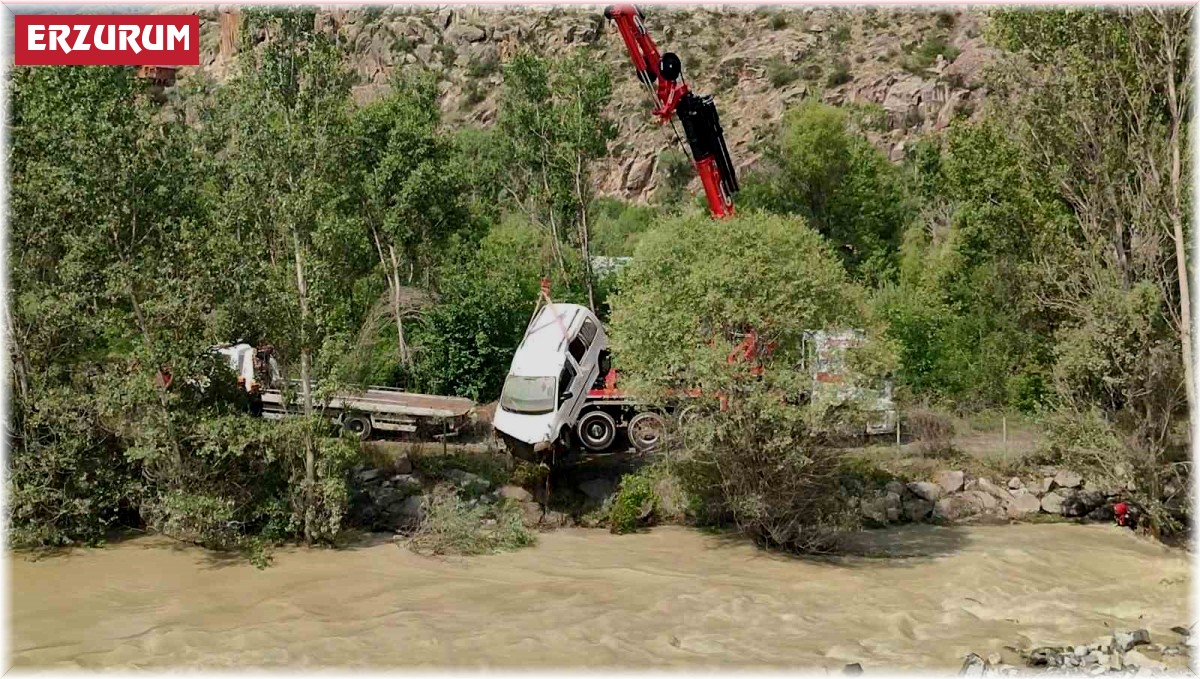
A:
(21, 368)
(402, 346)
(310, 461)
(1177, 108)
(584, 246)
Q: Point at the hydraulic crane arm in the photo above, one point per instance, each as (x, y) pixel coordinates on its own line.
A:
(663, 74)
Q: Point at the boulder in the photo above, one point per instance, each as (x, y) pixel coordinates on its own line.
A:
(412, 510)
(1015, 482)
(515, 493)
(464, 33)
(852, 669)
(930, 492)
(531, 513)
(1047, 484)
(894, 486)
(1052, 503)
(1067, 479)
(1082, 502)
(640, 172)
(953, 508)
(367, 475)
(1020, 506)
(405, 483)
(973, 666)
(401, 464)
(917, 509)
(986, 486)
(1046, 656)
(874, 509)
(893, 514)
(472, 484)
(1123, 641)
(981, 501)
(951, 481)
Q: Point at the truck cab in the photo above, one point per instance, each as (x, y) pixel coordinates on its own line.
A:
(552, 371)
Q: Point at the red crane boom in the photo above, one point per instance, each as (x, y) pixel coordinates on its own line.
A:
(663, 75)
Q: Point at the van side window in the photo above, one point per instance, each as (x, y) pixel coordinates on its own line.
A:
(578, 347)
(565, 380)
(588, 332)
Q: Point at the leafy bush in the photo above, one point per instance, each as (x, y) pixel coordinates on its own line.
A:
(778, 21)
(633, 505)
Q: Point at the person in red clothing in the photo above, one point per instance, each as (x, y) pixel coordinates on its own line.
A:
(1127, 515)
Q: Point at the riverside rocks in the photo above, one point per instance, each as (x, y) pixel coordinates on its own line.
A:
(1130, 653)
(954, 496)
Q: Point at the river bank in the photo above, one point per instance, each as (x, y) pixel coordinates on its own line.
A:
(911, 597)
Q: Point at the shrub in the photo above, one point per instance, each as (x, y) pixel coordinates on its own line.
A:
(778, 21)
(840, 35)
(781, 73)
(927, 52)
(633, 505)
(840, 74)
(452, 525)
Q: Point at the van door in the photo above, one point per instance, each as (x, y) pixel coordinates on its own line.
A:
(570, 397)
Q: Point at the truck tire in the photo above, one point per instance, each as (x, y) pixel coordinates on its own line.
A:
(357, 425)
(596, 430)
(646, 431)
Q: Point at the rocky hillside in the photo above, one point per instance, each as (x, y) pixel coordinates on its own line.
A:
(909, 72)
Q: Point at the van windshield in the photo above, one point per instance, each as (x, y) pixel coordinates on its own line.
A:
(528, 395)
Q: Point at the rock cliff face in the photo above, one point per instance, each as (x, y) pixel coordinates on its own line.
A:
(909, 72)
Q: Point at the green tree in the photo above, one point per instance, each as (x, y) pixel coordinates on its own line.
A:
(287, 132)
(1097, 103)
(552, 116)
(834, 178)
(412, 192)
(694, 291)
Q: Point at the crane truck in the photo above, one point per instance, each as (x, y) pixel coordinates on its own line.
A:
(560, 389)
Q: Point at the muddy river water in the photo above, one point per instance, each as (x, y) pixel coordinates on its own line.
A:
(918, 597)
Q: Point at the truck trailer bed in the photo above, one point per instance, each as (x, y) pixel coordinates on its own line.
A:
(389, 409)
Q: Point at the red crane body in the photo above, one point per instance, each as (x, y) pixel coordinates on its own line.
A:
(698, 115)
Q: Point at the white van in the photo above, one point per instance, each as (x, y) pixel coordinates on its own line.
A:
(552, 372)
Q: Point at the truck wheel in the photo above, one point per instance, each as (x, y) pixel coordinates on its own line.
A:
(596, 430)
(357, 425)
(645, 431)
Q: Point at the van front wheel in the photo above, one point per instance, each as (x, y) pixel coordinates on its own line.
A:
(596, 430)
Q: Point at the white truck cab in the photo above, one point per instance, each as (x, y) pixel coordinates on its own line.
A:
(553, 368)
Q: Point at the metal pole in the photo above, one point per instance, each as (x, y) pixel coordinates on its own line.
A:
(897, 430)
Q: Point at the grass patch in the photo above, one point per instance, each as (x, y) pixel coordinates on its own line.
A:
(840, 35)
